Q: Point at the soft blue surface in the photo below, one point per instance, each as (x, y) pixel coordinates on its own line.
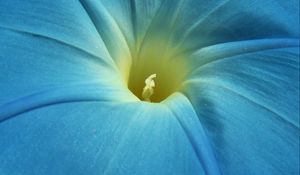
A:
(64, 108)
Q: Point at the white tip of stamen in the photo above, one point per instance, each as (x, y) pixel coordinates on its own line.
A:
(148, 89)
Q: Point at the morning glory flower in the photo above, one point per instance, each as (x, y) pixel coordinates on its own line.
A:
(158, 87)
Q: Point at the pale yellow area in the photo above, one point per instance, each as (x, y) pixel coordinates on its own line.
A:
(156, 56)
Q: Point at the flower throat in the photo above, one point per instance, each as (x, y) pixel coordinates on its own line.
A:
(156, 57)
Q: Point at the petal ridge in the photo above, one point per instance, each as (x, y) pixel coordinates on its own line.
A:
(59, 95)
(217, 52)
(195, 134)
(23, 32)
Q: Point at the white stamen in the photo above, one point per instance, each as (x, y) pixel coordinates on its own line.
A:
(148, 89)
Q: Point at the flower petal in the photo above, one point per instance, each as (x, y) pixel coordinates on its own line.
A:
(233, 20)
(249, 105)
(66, 22)
(47, 52)
(106, 138)
(30, 64)
(112, 33)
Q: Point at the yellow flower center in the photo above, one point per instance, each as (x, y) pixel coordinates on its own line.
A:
(156, 56)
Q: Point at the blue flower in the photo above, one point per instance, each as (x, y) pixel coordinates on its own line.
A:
(149, 87)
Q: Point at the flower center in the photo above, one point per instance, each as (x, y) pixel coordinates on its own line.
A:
(159, 58)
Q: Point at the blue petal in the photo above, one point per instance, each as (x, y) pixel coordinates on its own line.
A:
(249, 104)
(31, 64)
(62, 21)
(39, 52)
(194, 24)
(232, 20)
(107, 138)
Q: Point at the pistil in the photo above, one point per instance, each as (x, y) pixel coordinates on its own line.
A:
(148, 90)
